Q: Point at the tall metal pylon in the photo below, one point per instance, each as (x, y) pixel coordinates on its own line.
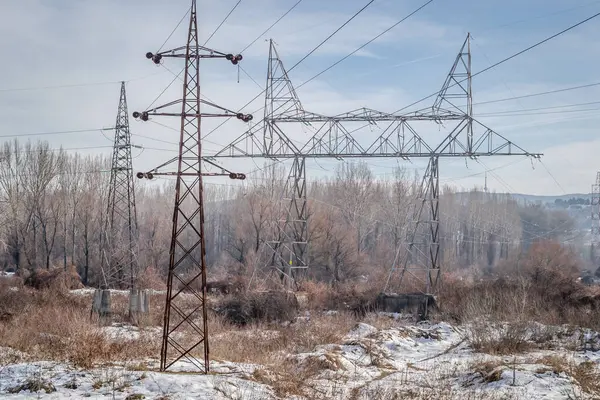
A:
(120, 223)
(422, 257)
(187, 254)
(595, 204)
(289, 247)
(399, 139)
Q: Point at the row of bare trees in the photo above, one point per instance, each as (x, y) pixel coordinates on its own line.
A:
(53, 206)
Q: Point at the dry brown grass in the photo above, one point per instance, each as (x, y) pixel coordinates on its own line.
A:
(349, 296)
(53, 325)
(490, 370)
(266, 344)
(150, 278)
(268, 306)
(521, 299)
(496, 339)
(57, 278)
(586, 373)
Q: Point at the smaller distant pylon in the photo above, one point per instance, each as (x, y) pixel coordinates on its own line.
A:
(595, 203)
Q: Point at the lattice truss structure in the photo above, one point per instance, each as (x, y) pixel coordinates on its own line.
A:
(119, 242)
(367, 133)
(185, 329)
(596, 224)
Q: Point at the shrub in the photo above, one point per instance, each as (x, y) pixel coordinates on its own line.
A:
(54, 278)
(266, 306)
(150, 278)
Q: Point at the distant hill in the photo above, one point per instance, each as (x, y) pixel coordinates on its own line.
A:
(577, 205)
(550, 199)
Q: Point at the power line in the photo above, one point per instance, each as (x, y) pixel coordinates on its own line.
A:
(373, 70)
(504, 60)
(251, 78)
(60, 86)
(76, 84)
(366, 43)
(538, 94)
(516, 113)
(65, 149)
(295, 65)
(222, 22)
(544, 108)
(553, 177)
(540, 16)
(174, 29)
(56, 132)
(166, 88)
(272, 25)
(330, 36)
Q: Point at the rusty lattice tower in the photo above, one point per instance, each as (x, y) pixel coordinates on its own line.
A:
(185, 330)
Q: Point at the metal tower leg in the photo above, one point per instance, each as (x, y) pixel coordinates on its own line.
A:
(296, 223)
(420, 260)
(120, 222)
(432, 198)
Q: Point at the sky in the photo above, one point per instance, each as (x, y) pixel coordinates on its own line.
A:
(64, 59)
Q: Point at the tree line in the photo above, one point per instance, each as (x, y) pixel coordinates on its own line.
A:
(53, 206)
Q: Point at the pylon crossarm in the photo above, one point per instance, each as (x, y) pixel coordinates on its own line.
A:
(224, 171)
(144, 115)
(194, 52)
(369, 115)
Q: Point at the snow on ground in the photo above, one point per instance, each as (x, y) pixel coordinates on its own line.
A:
(422, 361)
(57, 381)
(90, 291)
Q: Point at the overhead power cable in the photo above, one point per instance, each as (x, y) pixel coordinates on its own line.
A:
(538, 94)
(222, 22)
(270, 27)
(55, 132)
(545, 108)
(328, 68)
(516, 113)
(330, 36)
(366, 43)
(77, 84)
(504, 60)
(173, 31)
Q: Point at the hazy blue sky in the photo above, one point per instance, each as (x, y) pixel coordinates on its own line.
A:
(64, 42)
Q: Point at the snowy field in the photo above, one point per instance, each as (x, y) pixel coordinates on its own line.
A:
(424, 361)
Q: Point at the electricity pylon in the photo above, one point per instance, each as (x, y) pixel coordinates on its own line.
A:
(335, 137)
(120, 223)
(595, 203)
(187, 254)
(289, 246)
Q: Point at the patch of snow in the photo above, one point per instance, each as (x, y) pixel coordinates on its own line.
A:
(419, 361)
(118, 383)
(128, 332)
(114, 292)
(361, 330)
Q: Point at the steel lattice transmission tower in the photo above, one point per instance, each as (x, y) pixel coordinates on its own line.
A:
(337, 137)
(187, 254)
(423, 243)
(120, 225)
(596, 224)
(289, 247)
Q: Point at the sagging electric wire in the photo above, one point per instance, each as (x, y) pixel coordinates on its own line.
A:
(297, 63)
(222, 22)
(271, 26)
(174, 29)
(502, 61)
